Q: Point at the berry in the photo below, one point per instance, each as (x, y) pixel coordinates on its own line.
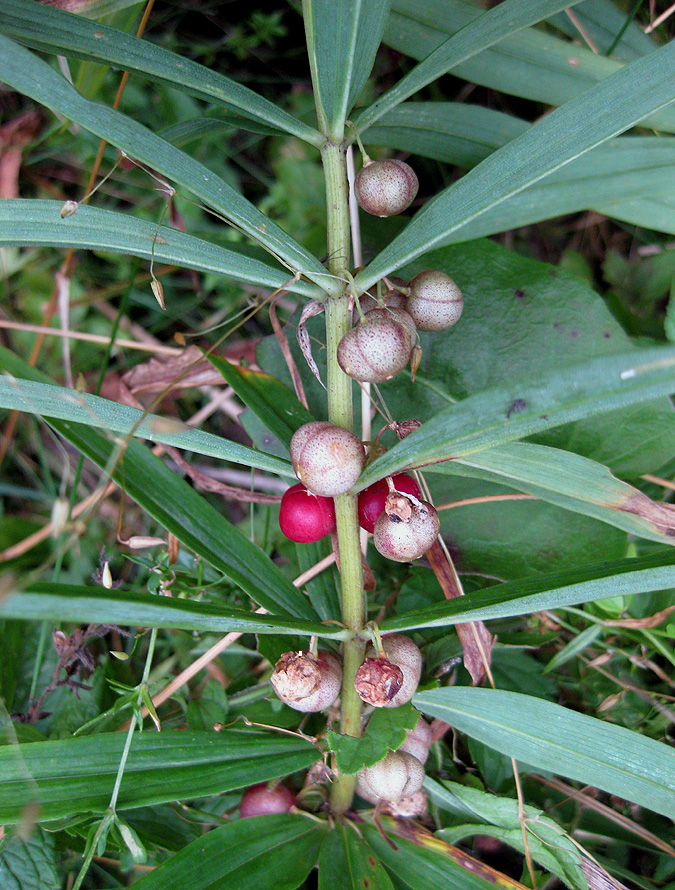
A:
(403, 539)
(434, 302)
(305, 517)
(307, 682)
(405, 655)
(397, 775)
(373, 498)
(261, 800)
(418, 740)
(385, 188)
(378, 347)
(393, 299)
(326, 458)
(377, 681)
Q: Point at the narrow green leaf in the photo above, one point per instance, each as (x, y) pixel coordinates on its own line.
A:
(500, 817)
(76, 775)
(549, 737)
(27, 222)
(342, 40)
(644, 86)
(603, 22)
(259, 853)
(491, 27)
(59, 403)
(51, 601)
(347, 861)
(570, 481)
(541, 592)
(28, 74)
(182, 511)
(386, 731)
(517, 409)
(272, 402)
(52, 30)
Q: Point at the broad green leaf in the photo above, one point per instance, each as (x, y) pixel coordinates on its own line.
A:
(493, 26)
(27, 222)
(521, 408)
(51, 601)
(421, 861)
(625, 178)
(55, 31)
(500, 817)
(386, 731)
(30, 75)
(59, 403)
(563, 70)
(347, 861)
(272, 402)
(342, 40)
(181, 510)
(258, 853)
(549, 737)
(76, 775)
(28, 862)
(570, 481)
(542, 592)
(584, 122)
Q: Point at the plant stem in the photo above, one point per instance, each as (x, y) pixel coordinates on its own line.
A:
(340, 411)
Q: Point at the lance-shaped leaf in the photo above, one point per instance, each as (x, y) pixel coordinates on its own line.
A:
(549, 737)
(491, 27)
(541, 592)
(512, 411)
(28, 74)
(644, 86)
(76, 775)
(342, 39)
(51, 601)
(182, 511)
(54, 31)
(259, 853)
(349, 862)
(27, 222)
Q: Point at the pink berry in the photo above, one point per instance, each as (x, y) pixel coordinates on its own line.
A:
(405, 539)
(261, 800)
(305, 517)
(372, 499)
(379, 347)
(385, 188)
(435, 302)
(326, 458)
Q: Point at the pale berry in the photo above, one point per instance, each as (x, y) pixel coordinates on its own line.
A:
(397, 775)
(379, 347)
(372, 499)
(405, 655)
(403, 540)
(385, 188)
(326, 458)
(434, 302)
(307, 682)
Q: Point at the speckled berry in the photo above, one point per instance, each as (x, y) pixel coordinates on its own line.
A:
(372, 499)
(385, 188)
(378, 347)
(418, 740)
(327, 459)
(305, 517)
(404, 540)
(434, 302)
(307, 682)
(397, 775)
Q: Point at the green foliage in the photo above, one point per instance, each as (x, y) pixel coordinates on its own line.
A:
(217, 196)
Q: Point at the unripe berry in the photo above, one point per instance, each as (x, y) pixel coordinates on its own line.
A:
(326, 458)
(307, 682)
(260, 800)
(373, 498)
(434, 302)
(393, 299)
(404, 654)
(405, 539)
(397, 775)
(378, 347)
(385, 188)
(418, 740)
(305, 517)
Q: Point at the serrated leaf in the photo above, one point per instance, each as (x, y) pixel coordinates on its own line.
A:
(386, 731)
(549, 737)
(275, 852)
(349, 862)
(76, 775)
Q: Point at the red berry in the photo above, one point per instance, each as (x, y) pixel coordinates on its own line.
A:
(372, 499)
(305, 517)
(259, 800)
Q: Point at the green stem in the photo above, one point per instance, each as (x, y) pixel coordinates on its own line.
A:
(340, 411)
